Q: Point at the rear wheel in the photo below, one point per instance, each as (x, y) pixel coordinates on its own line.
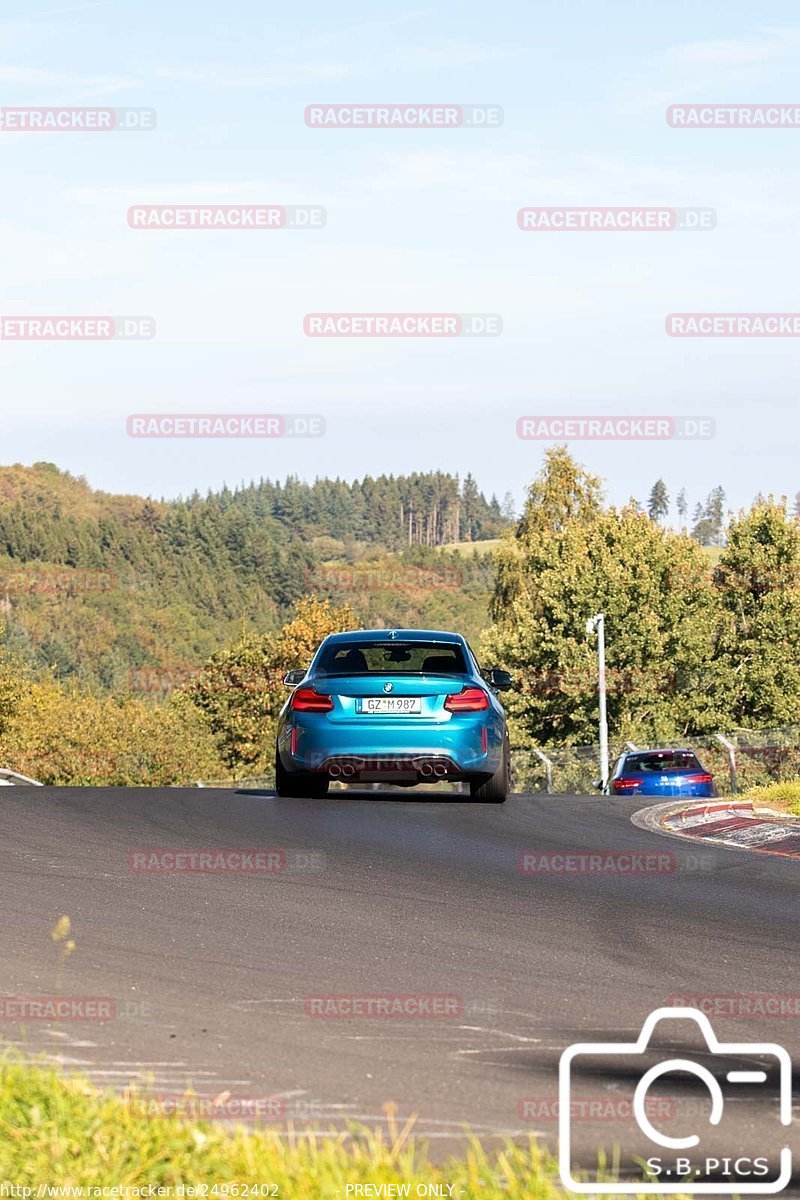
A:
(299, 785)
(495, 789)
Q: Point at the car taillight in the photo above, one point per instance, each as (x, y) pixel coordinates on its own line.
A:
(307, 700)
(626, 783)
(469, 699)
(701, 777)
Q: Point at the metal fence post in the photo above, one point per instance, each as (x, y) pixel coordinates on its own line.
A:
(729, 746)
(548, 766)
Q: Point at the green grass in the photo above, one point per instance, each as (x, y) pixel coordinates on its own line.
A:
(487, 546)
(784, 796)
(59, 1130)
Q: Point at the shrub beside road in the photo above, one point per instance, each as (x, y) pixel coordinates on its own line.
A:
(60, 1132)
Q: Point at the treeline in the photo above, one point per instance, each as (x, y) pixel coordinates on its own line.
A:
(430, 509)
(94, 587)
(707, 524)
(47, 515)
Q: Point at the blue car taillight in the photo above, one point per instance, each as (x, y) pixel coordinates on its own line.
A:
(700, 777)
(308, 700)
(469, 699)
(627, 783)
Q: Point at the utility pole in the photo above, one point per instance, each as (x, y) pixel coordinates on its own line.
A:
(597, 624)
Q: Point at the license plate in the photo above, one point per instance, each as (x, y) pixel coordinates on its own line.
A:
(395, 706)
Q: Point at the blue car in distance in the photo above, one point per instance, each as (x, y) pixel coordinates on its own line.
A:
(398, 706)
(660, 773)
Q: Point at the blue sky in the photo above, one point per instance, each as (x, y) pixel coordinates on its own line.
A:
(417, 221)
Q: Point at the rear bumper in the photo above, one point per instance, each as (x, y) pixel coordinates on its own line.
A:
(702, 791)
(386, 751)
(401, 768)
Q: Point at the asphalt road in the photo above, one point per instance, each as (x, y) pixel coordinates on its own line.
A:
(383, 894)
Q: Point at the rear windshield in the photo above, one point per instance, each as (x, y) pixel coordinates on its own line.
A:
(392, 658)
(662, 760)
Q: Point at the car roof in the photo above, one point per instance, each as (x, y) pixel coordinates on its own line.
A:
(390, 635)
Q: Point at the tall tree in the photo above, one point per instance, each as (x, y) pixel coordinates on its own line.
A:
(758, 582)
(709, 519)
(658, 502)
(683, 509)
(569, 559)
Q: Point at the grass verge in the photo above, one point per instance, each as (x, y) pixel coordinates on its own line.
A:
(784, 796)
(58, 1131)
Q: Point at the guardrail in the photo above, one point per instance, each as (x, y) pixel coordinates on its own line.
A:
(15, 777)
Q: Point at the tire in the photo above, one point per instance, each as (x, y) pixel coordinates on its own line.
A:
(298, 786)
(495, 789)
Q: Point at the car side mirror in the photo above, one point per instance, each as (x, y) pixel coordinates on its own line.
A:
(498, 679)
(292, 678)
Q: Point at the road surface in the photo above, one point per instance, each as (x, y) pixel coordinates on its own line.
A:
(214, 976)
